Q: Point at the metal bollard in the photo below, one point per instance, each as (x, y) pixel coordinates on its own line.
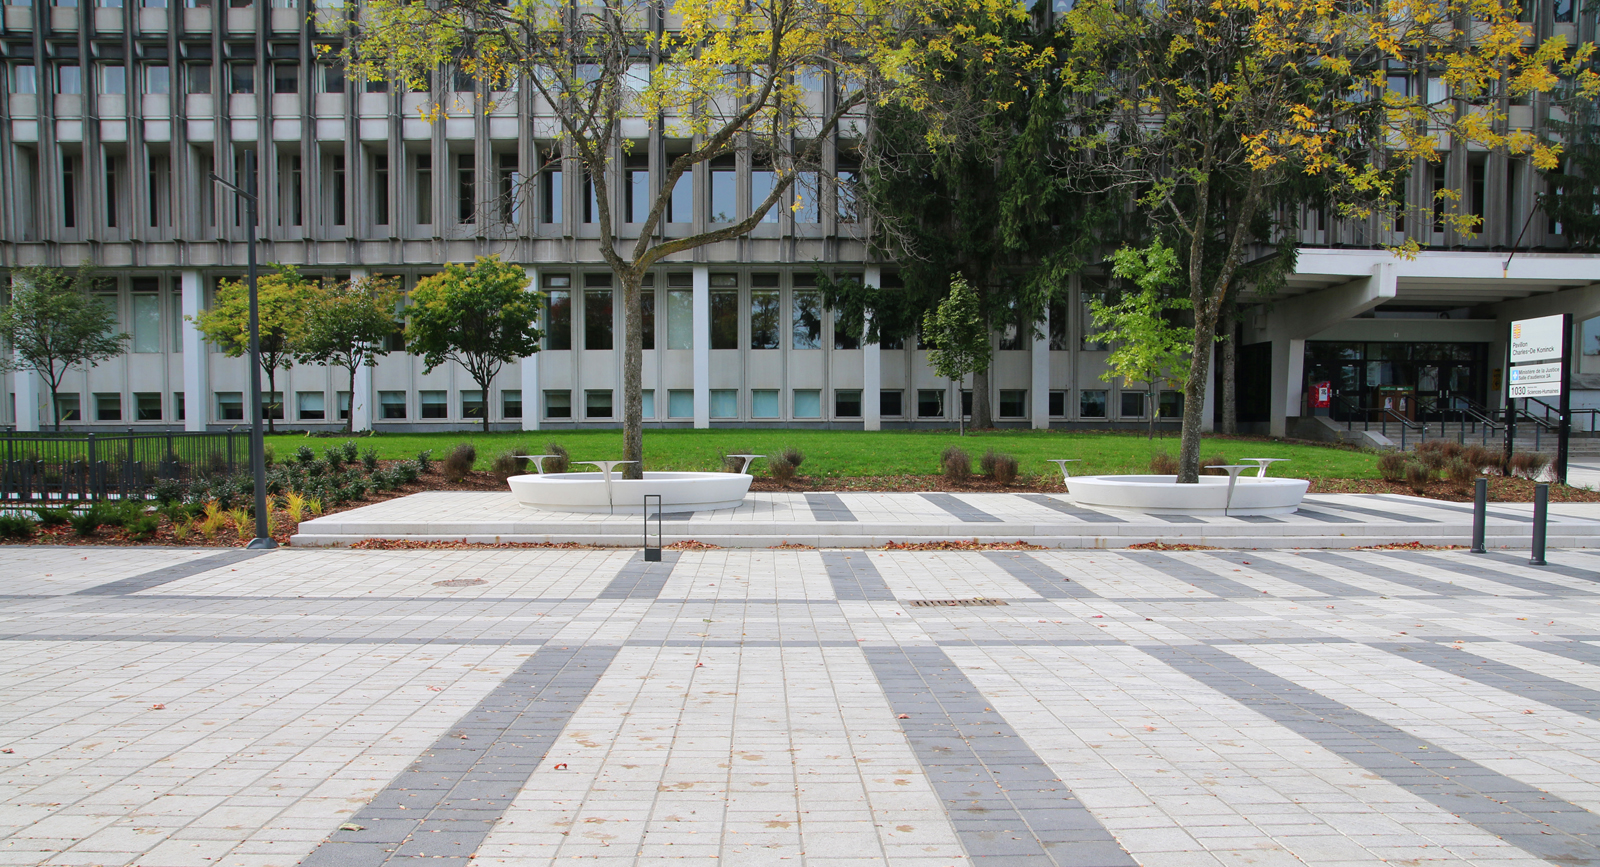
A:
(1480, 507)
(652, 555)
(1541, 510)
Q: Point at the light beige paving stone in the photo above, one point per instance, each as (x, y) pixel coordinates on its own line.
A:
(247, 732)
(48, 570)
(674, 737)
(1141, 744)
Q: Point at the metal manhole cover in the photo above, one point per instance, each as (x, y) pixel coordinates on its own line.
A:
(955, 603)
(460, 582)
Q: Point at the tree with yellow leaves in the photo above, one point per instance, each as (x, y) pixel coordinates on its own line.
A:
(284, 298)
(1212, 110)
(769, 81)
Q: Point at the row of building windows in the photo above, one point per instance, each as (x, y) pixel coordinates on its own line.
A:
(775, 319)
(602, 405)
(761, 317)
(241, 72)
(467, 203)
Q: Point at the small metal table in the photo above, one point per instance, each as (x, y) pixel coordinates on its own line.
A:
(1233, 471)
(748, 459)
(1263, 463)
(605, 467)
(1061, 463)
(538, 461)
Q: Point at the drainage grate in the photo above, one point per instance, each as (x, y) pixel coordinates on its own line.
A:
(955, 603)
(460, 582)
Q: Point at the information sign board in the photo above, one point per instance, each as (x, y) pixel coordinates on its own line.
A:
(1536, 380)
(1536, 339)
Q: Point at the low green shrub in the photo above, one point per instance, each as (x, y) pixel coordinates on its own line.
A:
(143, 527)
(53, 517)
(17, 527)
(87, 522)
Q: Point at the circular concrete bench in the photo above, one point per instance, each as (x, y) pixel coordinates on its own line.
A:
(596, 493)
(1162, 495)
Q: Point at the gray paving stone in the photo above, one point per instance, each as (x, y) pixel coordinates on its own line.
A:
(1533, 820)
(1088, 516)
(1293, 574)
(1534, 687)
(641, 579)
(961, 509)
(854, 577)
(1041, 579)
(827, 506)
(440, 785)
(1396, 576)
(961, 743)
(168, 574)
(1192, 573)
(1476, 570)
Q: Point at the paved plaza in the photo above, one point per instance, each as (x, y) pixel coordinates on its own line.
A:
(340, 708)
(871, 519)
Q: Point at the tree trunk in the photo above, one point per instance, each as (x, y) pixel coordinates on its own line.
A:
(55, 407)
(961, 417)
(1230, 372)
(349, 420)
(632, 376)
(484, 390)
(982, 411)
(1150, 401)
(272, 388)
(1194, 399)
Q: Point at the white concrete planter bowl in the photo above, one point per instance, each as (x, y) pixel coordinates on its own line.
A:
(1162, 495)
(592, 493)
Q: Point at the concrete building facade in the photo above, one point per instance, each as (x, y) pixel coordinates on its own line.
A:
(115, 116)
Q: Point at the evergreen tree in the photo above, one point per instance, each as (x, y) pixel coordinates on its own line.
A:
(968, 184)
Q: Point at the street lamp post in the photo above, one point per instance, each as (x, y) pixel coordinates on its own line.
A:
(258, 452)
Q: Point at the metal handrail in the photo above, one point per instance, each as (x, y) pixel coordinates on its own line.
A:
(1548, 409)
(1405, 425)
(1466, 412)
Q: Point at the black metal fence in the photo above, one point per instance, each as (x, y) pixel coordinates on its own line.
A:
(46, 467)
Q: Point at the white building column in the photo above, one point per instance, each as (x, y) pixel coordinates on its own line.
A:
(360, 385)
(25, 385)
(702, 346)
(1294, 320)
(1039, 390)
(871, 366)
(26, 391)
(196, 367)
(531, 395)
(1288, 374)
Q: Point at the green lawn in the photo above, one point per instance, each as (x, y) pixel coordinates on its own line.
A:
(860, 453)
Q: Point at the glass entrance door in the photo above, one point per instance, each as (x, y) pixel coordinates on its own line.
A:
(1442, 377)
